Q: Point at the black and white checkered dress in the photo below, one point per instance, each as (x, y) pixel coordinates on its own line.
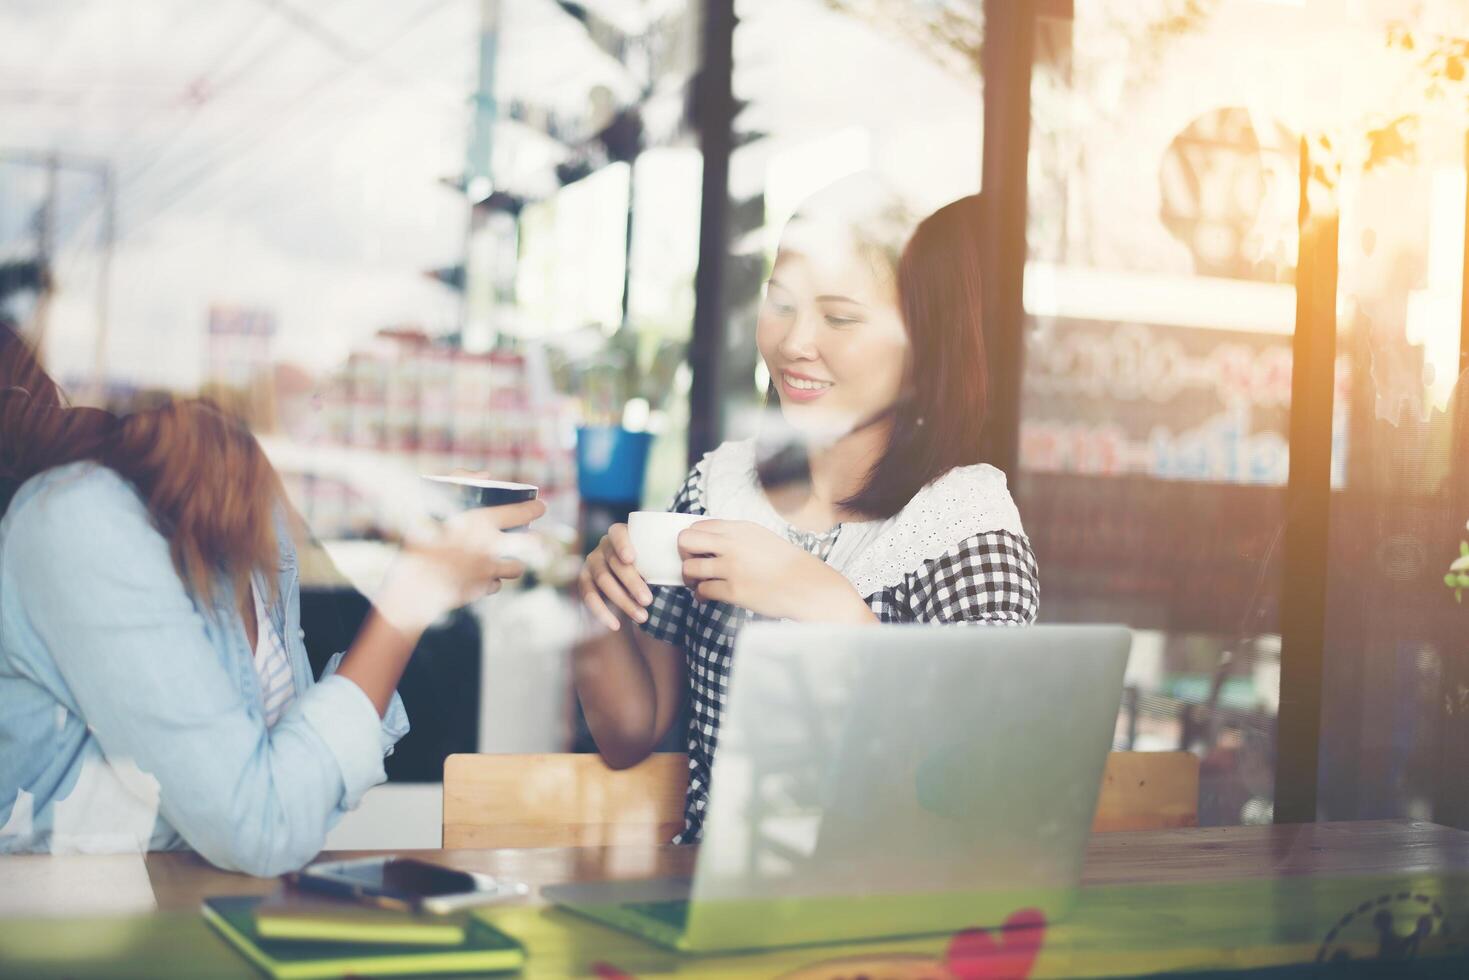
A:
(955, 554)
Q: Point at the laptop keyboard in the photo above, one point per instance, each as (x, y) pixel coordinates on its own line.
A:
(674, 914)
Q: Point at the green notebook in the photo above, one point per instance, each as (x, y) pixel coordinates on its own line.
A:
(485, 949)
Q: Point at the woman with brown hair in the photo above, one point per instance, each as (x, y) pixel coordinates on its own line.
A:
(874, 506)
(154, 688)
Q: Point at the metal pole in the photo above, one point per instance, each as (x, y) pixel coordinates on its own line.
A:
(1009, 43)
(1308, 506)
(54, 162)
(714, 117)
(482, 133)
(479, 181)
(632, 184)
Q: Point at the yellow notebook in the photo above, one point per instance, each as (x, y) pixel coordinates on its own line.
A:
(485, 949)
(305, 917)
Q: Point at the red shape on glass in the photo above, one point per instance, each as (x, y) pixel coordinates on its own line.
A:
(975, 955)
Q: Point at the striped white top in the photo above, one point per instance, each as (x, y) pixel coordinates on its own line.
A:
(272, 666)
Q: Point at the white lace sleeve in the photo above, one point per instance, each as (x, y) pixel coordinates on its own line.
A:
(965, 502)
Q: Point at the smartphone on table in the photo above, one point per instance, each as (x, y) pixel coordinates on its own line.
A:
(405, 883)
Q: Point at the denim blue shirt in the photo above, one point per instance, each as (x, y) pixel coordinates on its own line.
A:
(130, 711)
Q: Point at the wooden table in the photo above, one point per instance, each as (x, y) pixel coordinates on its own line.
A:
(1179, 900)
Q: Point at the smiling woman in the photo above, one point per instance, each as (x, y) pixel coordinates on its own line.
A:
(864, 499)
(919, 370)
(829, 330)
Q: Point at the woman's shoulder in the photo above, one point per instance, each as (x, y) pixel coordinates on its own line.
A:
(77, 500)
(974, 499)
(965, 502)
(73, 485)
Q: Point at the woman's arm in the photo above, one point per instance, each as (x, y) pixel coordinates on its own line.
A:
(630, 683)
(631, 688)
(989, 577)
(85, 573)
(91, 578)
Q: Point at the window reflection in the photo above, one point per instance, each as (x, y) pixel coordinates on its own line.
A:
(389, 260)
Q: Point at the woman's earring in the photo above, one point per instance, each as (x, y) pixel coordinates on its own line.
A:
(920, 420)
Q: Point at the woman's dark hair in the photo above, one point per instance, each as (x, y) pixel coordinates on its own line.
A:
(208, 486)
(937, 420)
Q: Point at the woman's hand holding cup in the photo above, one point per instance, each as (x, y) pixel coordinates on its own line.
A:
(609, 580)
(452, 565)
(630, 558)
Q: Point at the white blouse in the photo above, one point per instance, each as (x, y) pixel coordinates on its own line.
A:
(272, 666)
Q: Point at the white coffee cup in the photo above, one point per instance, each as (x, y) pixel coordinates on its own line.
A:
(654, 536)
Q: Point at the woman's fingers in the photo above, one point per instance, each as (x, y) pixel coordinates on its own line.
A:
(631, 580)
(481, 523)
(609, 583)
(516, 515)
(693, 542)
(622, 543)
(714, 590)
(600, 571)
(509, 568)
(699, 569)
(593, 600)
(614, 592)
(476, 573)
(618, 553)
(616, 596)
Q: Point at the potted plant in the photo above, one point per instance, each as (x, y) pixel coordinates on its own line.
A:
(623, 384)
(1458, 574)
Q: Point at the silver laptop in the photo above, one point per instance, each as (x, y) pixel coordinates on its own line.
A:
(884, 781)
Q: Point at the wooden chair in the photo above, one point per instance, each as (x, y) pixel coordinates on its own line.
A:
(574, 800)
(1148, 791)
(561, 800)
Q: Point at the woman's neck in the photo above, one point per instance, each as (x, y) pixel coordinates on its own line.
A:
(838, 471)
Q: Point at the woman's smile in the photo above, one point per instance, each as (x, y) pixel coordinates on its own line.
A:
(801, 387)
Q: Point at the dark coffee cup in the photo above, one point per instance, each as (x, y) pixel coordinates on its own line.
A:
(469, 492)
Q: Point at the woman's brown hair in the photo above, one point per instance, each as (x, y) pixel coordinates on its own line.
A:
(937, 420)
(206, 483)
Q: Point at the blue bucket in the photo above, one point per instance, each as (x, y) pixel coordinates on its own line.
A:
(610, 463)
